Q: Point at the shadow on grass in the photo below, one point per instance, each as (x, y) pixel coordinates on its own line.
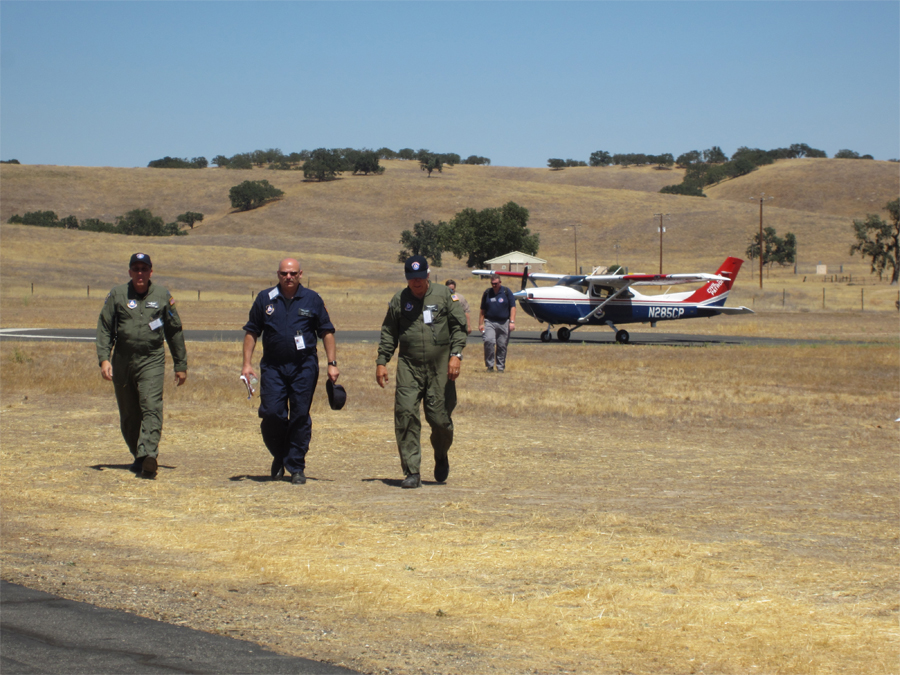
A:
(269, 479)
(396, 482)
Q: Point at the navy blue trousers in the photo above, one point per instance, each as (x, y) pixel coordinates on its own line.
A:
(286, 394)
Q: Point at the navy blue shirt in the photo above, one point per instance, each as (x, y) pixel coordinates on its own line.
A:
(497, 306)
(280, 320)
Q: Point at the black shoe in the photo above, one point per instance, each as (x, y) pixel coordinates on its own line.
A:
(277, 468)
(411, 481)
(137, 466)
(442, 470)
(298, 478)
(148, 468)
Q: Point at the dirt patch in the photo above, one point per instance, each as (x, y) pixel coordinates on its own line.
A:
(675, 510)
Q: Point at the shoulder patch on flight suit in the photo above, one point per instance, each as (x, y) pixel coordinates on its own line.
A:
(454, 298)
(171, 301)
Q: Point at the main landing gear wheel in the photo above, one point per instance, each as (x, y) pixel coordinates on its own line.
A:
(546, 336)
(622, 337)
(563, 334)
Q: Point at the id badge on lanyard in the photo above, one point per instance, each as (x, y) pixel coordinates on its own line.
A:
(428, 314)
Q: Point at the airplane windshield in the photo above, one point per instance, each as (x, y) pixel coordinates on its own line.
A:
(603, 292)
(576, 282)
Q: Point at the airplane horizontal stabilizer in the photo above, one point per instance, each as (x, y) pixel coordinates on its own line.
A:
(735, 310)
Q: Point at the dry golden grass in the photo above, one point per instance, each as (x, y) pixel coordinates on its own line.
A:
(352, 226)
(841, 187)
(609, 509)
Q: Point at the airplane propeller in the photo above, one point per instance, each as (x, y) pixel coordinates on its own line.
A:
(524, 277)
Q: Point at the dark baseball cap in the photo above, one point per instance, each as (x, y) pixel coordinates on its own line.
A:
(416, 267)
(140, 258)
(337, 395)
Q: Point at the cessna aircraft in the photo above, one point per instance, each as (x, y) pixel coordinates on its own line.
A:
(608, 299)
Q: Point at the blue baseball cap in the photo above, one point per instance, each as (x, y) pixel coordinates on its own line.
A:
(416, 267)
(140, 258)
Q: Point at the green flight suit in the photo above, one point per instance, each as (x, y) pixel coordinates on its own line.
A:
(422, 368)
(137, 326)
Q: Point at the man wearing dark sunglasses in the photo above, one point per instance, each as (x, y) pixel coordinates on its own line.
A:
(290, 318)
(136, 321)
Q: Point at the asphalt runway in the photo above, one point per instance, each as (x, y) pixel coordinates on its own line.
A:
(638, 337)
(42, 633)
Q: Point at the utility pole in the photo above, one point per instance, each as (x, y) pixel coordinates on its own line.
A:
(661, 230)
(616, 246)
(762, 198)
(575, 227)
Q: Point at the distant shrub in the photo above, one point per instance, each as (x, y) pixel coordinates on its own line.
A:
(690, 190)
(138, 222)
(37, 218)
(9, 161)
(177, 163)
(97, 225)
(252, 194)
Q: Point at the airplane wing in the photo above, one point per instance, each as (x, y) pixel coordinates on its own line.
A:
(613, 280)
(539, 276)
(652, 279)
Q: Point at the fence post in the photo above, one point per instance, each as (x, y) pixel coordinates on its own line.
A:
(782, 297)
(32, 288)
(89, 290)
(198, 294)
(862, 299)
(823, 297)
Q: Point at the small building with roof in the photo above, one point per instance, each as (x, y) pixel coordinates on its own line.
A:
(515, 262)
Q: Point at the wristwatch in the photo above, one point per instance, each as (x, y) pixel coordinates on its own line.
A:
(332, 363)
(457, 355)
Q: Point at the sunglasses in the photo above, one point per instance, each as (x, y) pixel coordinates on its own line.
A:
(288, 274)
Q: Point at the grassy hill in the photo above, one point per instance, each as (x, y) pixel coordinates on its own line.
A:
(836, 187)
(346, 232)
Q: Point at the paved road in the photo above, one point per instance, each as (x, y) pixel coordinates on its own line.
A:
(650, 337)
(42, 633)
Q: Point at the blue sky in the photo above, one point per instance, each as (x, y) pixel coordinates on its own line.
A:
(122, 83)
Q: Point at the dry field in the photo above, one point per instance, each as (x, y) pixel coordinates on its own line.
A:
(609, 510)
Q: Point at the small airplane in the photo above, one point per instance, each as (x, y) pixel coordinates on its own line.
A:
(608, 299)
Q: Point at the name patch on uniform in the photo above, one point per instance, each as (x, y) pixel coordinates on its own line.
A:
(270, 309)
(152, 305)
(273, 293)
(132, 304)
(304, 312)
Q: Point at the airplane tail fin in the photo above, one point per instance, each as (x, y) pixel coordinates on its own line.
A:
(719, 289)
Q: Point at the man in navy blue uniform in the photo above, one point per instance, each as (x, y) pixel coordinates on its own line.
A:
(496, 320)
(290, 318)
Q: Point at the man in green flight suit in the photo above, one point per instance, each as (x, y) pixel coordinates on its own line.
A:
(428, 323)
(137, 318)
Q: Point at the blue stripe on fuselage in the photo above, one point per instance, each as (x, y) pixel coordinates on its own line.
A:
(569, 312)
